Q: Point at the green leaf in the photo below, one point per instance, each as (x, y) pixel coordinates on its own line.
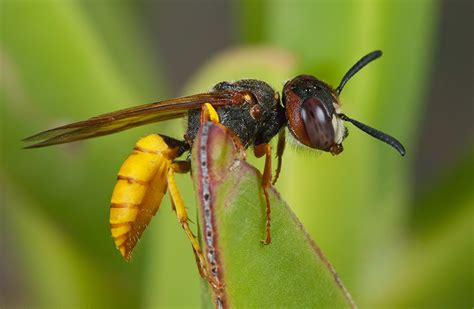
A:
(291, 271)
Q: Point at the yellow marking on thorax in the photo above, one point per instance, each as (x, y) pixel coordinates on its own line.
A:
(141, 184)
(213, 116)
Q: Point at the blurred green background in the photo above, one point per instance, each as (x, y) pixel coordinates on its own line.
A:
(399, 231)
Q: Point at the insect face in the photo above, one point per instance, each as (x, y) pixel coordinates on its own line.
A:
(312, 111)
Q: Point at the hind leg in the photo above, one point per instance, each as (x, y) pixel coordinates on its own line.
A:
(182, 214)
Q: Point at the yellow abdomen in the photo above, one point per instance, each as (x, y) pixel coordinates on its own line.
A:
(141, 184)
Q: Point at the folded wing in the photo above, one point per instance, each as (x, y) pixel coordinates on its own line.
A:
(129, 118)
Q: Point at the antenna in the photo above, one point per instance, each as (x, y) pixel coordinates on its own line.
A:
(377, 134)
(356, 67)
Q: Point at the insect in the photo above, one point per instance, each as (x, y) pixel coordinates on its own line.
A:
(249, 108)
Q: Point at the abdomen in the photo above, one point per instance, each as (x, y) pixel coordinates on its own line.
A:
(141, 185)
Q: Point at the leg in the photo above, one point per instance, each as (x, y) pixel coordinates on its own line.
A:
(260, 150)
(279, 154)
(181, 212)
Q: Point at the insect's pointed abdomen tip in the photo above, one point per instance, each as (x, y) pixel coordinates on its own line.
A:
(126, 254)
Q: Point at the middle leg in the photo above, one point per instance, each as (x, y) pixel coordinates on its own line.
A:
(259, 151)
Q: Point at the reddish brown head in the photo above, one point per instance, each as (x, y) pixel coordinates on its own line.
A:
(314, 115)
(311, 111)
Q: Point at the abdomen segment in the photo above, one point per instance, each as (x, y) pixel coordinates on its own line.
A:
(141, 184)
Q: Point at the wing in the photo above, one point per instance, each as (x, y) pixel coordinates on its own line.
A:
(131, 117)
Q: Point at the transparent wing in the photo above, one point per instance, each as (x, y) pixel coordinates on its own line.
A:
(129, 118)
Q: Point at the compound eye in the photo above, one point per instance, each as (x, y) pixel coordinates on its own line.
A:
(318, 124)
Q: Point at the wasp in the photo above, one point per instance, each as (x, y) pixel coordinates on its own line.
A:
(252, 111)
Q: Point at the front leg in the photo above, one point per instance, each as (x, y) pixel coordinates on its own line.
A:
(259, 151)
